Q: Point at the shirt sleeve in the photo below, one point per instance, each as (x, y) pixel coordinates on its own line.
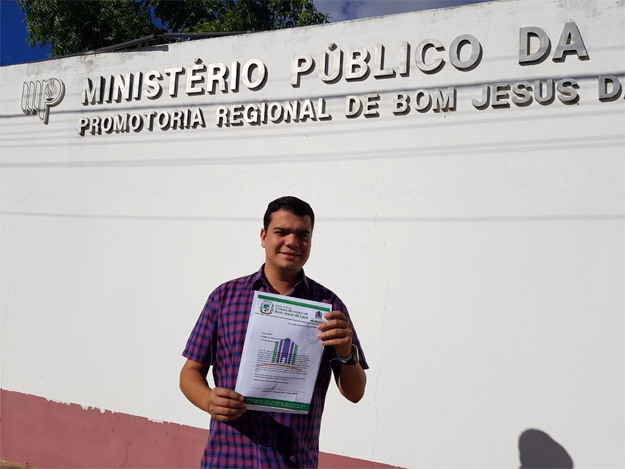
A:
(202, 343)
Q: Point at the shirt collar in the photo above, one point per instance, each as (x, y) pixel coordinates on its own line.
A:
(259, 282)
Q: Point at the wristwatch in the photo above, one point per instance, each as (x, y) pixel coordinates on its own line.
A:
(351, 359)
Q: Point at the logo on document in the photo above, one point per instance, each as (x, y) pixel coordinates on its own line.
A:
(266, 307)
(39, 96)
(285, 352)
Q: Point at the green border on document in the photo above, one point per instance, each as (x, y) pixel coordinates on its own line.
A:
(278, 404)
(296, 303)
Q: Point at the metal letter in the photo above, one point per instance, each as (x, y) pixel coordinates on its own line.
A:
(567, 88)
(419, 56)
(337, 58)
(570, 41)
(500, 95)
(400, 103)
(353, 106)
(372, 105)
(615, 84)
(445, 101)
(357, 66)
(248, 70)
(422, 100)
(456, 46)
(378, 63)
(525, 55)
(300, 65)
(194, 77)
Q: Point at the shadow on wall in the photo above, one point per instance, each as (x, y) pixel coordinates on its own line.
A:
(539, 450)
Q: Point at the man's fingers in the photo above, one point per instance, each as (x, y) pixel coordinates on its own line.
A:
(334, 320)
(225, 414)
(225, 404)
(228, 404)
(225, 393)
(336, 331)
(335, 334)
(335, 315)
(335, 326)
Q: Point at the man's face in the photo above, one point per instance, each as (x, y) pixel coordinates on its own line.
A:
(287, 242)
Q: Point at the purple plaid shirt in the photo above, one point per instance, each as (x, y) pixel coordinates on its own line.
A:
(257, 439)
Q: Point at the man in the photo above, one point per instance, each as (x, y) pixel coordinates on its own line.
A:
(254, 439)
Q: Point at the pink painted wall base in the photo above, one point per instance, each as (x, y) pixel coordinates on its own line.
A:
(44, 434)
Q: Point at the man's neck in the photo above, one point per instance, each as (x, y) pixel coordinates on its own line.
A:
(280, 282)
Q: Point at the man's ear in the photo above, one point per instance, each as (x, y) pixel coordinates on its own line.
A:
(263, 234)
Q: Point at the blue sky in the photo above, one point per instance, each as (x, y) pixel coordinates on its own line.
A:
(15, 49)
(13, 46)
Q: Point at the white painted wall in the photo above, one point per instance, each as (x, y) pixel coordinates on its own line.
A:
(480, 251)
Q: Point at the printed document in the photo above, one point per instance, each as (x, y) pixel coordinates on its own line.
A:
(281, 354)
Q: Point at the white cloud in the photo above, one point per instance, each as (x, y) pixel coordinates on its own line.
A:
(340, 10)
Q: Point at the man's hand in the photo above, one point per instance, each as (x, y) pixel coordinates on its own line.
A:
(225, 404)
(337, 332)
(222, 404)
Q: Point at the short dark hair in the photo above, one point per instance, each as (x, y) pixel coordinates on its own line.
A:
(290, 204)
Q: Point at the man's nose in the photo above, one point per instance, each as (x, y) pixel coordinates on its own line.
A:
(291, 239)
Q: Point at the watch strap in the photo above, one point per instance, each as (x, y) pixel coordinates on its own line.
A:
(351, 359)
